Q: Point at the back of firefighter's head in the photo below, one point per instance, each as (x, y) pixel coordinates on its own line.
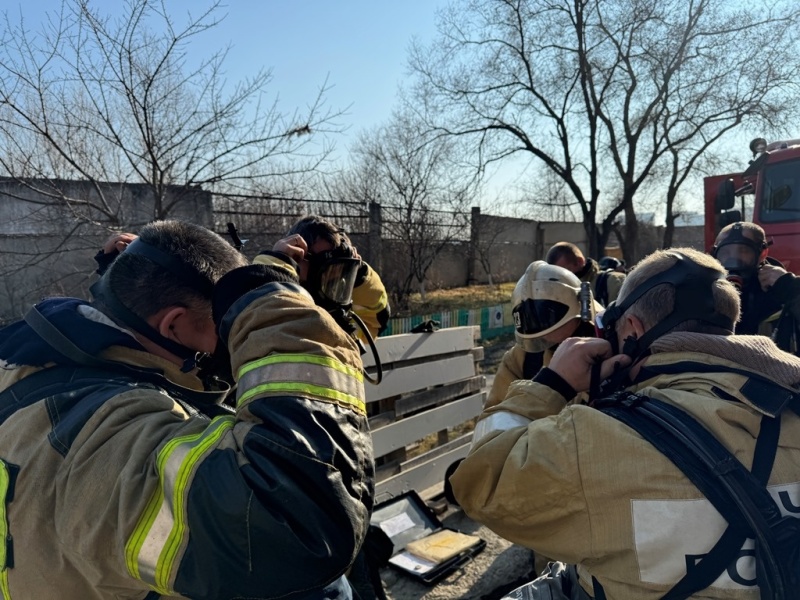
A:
(174, 300)
(658, 302)
(546, 306)
(566, 255)
(741, 248)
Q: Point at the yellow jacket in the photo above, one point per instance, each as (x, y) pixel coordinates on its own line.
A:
(577, 485)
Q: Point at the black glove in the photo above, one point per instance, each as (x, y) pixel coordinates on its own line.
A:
(104, 260)
(428, 326)
(238, 282)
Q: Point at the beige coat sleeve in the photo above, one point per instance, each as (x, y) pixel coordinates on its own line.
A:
(524, 482)
(508, 372)
(615, 281)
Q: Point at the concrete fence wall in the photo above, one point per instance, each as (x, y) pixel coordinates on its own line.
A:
(47, 250)
(44, 251)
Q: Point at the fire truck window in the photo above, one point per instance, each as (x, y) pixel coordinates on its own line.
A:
(779, 200)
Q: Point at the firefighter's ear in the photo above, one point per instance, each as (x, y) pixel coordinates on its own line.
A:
(166, 321)
(632, 326)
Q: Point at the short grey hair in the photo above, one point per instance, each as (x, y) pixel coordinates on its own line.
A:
(659, 302)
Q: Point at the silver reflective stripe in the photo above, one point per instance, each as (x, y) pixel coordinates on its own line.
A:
(498, 421)
(161, 535)
(165, 520)
(307, 375)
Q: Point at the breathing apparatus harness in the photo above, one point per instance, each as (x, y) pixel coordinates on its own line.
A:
(332, 275)
(694, 301)
(101, 290)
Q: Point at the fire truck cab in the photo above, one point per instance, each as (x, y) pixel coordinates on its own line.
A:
(766, 193)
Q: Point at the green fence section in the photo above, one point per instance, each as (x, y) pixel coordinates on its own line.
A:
(493, 320)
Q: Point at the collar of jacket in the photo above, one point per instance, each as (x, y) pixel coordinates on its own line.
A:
(19, 345)
(749, 369)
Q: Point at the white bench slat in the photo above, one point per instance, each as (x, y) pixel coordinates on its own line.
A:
(421, 477)
(407, 346)
(401, 433)
(421, 376)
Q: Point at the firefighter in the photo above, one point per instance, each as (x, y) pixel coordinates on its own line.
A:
(605, 283)
(120, 477)
(547, 310)
(577, 484)
(323, 257)
(770, 294)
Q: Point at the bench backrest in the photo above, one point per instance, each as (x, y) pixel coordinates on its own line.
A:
(421, 413)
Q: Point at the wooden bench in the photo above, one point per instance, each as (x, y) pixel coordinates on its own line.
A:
(431, 386)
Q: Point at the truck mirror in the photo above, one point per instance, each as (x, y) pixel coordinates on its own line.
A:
(726, 218)
(725, 196)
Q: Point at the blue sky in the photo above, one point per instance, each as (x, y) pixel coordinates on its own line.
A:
(360, 46)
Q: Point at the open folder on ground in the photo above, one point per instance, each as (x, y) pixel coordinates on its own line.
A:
(442, 545)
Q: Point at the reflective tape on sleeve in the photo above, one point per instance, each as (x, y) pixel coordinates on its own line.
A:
(497, 421)
(5, 480)
(161, 535)
(307, 375)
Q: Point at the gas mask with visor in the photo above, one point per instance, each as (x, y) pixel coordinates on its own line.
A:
(331, 278)
(332, 275)
(740, 255)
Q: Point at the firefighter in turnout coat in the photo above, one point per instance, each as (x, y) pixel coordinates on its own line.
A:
(121, 478)
(578, 485)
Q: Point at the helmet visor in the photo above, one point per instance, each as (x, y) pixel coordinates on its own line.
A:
(337, 279)
(535, 316)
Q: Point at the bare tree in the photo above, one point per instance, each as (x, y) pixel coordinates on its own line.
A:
(106, 123)
(104, 99)
(424, 192)
(547, 198)
(601, 91)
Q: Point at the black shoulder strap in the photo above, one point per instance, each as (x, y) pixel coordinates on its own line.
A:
(740, 496)
(601, 288)
(532, 364)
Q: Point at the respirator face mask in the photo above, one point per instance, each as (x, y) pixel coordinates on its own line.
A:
(740, 255)
(740, 260)
(331, 278)
(535, 316)
(332, 275)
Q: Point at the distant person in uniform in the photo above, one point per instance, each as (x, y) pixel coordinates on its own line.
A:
(770, 294)
(605, 283)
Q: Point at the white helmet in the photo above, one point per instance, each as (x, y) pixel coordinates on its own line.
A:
(545, 298)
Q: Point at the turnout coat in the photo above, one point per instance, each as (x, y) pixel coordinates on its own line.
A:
(581, 487)
(114, 485)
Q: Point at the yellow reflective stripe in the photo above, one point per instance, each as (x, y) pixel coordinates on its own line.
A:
(5, 480)
(153, 548)
(302, 358)
(305, 389)
(309, 375)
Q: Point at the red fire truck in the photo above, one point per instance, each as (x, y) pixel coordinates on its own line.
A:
(767, 193)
